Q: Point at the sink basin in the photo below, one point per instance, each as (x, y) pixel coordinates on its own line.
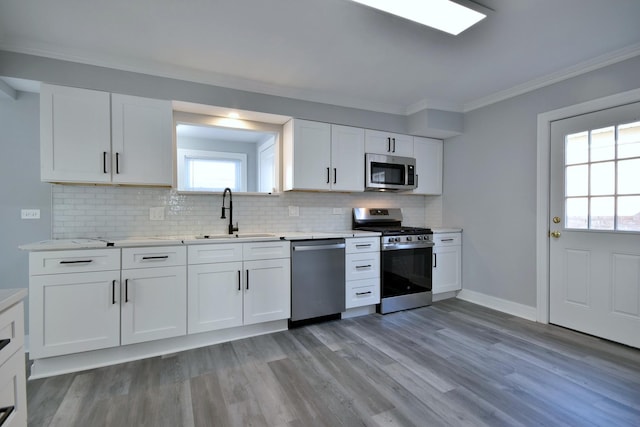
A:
(235, 236)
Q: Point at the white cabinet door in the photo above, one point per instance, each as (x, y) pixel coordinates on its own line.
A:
(393, 144)
(75, 135)
(447, 269)
(267, 290)
(307, 155)
(214, 296)
(142, 140)
(428, 154)
(347, 158)
(71, 313)
(154, 304)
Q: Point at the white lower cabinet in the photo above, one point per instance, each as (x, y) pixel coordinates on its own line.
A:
(234, 284)
(447, 262)
(362, 275)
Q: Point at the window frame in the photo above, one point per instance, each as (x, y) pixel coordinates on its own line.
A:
(184, 155)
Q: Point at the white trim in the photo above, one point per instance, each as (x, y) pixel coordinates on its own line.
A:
(573, 71)
(510, 307)
(542, 190)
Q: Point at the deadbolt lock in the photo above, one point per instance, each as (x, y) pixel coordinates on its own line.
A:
(556, 219)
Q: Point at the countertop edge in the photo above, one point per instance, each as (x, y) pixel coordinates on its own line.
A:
(10, 297)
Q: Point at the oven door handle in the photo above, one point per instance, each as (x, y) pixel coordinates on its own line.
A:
(402, 246)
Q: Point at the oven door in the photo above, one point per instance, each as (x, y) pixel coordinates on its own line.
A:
(406, 271)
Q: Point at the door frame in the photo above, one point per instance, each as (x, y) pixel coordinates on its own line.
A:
(543, 185)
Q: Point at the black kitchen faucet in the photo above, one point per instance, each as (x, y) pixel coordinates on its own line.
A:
(230, 208)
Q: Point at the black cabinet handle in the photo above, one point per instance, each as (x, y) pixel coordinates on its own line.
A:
(145, 258)
(113, 292)
(104, 162)
(388, 145)
(363, 293)
(239, 287)
(335, 175)
(363, 266)
(80, 261)
(247, 279)
(328, 173)
(446, 240)
(394, 145)
(4, 343)
(368, 245)
(435, 260)
(117, 162)
(126, 290)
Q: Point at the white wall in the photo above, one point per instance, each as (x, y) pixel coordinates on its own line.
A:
(490, 181)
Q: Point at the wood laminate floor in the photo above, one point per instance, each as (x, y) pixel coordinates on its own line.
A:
(450, 364)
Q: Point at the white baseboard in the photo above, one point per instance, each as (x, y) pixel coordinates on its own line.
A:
(510, 307)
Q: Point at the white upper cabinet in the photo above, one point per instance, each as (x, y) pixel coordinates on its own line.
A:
(393, 144)
(320, 156)
(75, 135)
(428, 154)
(141, 140)
(89, 136)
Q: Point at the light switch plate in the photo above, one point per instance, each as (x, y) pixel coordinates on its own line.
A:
(30, 214)
(156, 214)
(294, 211)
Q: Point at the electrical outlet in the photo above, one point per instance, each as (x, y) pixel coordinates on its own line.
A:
(337, 211)
(156, 214)
(294, 211)
(30, 214)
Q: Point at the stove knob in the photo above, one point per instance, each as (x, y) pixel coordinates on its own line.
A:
(419, 237)
(408, 238)
(397, 239)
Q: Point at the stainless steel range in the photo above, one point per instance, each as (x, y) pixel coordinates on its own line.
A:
(405, 258)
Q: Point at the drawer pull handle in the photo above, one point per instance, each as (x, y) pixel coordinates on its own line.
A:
(147, 258)
(80, 261)
(446, 240)
(368, 245)
(5, 412)
(363, 266)
(4, 343)
(363, 293)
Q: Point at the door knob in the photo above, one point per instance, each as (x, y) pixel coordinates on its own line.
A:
(555, 234)
(556, 219)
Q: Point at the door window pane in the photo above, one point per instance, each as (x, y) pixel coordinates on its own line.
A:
(577, 213)
(602, 213)
(603, 144)
(603, 179)
(577, 148)
(629, 213)
(629, 176)
(629, 140)
(577, 178)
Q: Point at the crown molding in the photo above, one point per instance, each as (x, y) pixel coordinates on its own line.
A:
(573, 71)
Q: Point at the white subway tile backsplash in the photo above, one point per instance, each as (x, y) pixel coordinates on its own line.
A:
(122, 212)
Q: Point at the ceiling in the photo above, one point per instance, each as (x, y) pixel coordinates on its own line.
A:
(333, 51)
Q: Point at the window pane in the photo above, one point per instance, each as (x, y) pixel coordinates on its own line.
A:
(629, 213)
(212, 174)
(629, 176)
(603, 144)
(577, 148)
(603, 179)
(602, 212)
(577, 213)
(577, 180)
(629, 140)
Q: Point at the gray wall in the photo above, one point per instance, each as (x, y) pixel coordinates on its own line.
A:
(490, 181)
(20, 187)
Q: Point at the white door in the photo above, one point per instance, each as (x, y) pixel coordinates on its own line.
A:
(595, 224)
(428, 154)
(347, 158)
(266, 169)
(267, 290)
(311, 155)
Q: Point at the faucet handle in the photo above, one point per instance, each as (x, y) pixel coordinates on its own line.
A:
(223, 216)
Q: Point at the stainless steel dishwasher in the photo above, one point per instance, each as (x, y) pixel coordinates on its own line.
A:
(317, 278)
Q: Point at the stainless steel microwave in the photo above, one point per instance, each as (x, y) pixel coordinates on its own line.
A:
(389, 173)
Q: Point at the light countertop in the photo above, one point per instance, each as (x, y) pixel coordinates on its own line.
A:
(9, 297)
(442, 229)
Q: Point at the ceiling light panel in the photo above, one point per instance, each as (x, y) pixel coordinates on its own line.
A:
(444, 15)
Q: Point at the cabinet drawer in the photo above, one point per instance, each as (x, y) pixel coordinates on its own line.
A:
(362, 266)
(362, 244)
(447, 239)
(11, 331)
(362, 292)
(266, 250)
(222, 252)
(55, 262)
(160, 256)
(13, 390)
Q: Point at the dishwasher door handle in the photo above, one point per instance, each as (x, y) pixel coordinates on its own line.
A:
(319, 247)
